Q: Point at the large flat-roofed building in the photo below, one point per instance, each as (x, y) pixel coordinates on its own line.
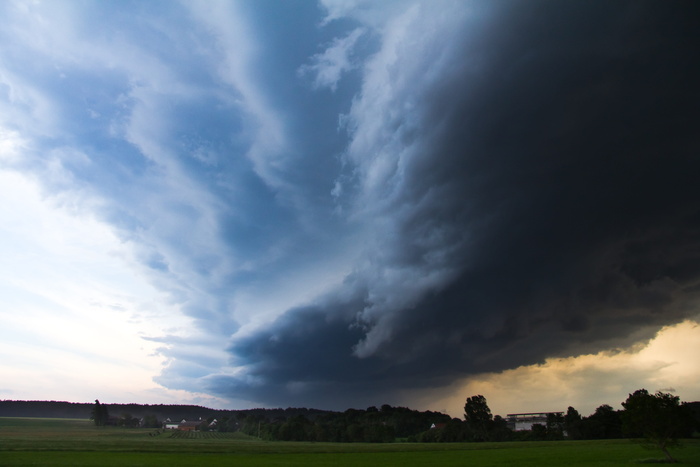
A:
(524, 421)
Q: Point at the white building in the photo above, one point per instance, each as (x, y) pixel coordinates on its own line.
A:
(524, 421)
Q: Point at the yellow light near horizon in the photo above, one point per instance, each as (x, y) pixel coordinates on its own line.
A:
(667, 363)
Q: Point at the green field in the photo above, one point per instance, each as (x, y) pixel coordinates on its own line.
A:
(63, 442)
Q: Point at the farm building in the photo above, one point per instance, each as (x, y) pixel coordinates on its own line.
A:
(170, 425)
(524, 421)
(182, 425)
(189, 426)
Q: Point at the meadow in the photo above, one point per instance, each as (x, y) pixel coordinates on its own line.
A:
(72, 442)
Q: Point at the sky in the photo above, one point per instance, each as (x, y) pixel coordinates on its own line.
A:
(349, 203)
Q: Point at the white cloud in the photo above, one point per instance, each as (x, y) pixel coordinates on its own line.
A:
(368, 12)
(389, 135)
(25, 106)
(11, 146)
(233, 43)
(329, 66)
(176, 216)
(416, 51)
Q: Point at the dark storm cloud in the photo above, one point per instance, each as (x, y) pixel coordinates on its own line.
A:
(549, 207)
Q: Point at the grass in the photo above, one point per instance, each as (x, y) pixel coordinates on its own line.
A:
(64, 442)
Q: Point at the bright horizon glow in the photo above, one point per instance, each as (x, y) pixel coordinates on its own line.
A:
(80, 296)
(667, 363)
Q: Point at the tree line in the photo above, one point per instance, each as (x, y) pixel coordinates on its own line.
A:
(373, 425)
(101, 417)
(61, 409)
(659, 419)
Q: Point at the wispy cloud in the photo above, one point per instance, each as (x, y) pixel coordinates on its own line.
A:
(124, 167)
(329, 66)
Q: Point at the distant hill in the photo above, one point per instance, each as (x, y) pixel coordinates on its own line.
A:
(58, 409)
(44, 409)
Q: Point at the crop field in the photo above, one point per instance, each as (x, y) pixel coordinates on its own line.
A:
(68, 442)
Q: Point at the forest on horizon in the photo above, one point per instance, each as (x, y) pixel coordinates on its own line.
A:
(384, 424)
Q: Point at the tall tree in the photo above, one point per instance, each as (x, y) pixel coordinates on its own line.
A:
(572, 423)
(151, 421)
(478, 417)
(659, 418)
(100, 414)
(604, 423)
(500, 430)
(555, 426)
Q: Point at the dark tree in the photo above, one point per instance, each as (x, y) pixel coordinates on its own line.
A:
(604, 423)
(126, 420)
(478, 417)
(100, 414)
(500, 430)
(659, 418)
(296, 428)
(555, 426)
(572, 423)
(539, 432)
(151, 421)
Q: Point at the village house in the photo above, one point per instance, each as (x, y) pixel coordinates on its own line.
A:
(187, 425)
(170, 425)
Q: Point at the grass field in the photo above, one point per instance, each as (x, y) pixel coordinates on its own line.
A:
(64, 442)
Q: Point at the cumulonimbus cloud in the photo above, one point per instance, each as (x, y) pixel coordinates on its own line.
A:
(525, 174)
